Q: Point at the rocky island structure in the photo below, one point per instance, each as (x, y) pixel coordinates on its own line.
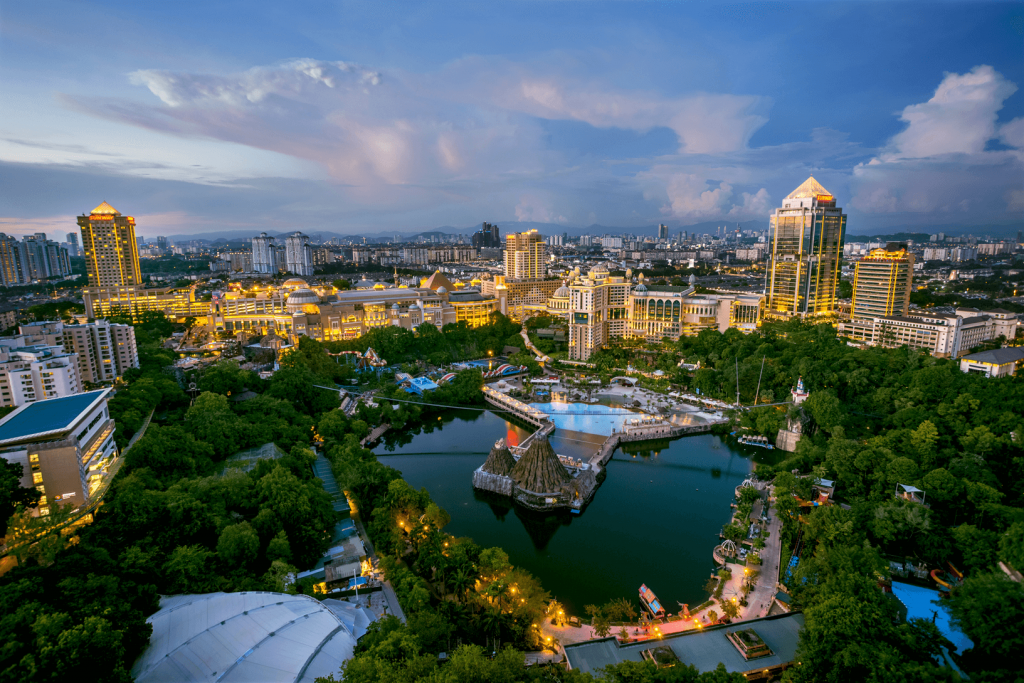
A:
(539, 479)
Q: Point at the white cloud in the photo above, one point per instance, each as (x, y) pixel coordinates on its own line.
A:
(959, 119)
(533, 208)
(691, 197)
(939, 163)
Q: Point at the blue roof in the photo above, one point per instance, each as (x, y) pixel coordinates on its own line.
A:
(42, 417)
(420, 384)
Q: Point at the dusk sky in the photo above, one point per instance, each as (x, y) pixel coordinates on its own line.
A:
(385, 117)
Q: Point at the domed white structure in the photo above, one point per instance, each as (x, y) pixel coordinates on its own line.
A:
(251, 636)
(301, 300)
(293, 283)
(442, 290)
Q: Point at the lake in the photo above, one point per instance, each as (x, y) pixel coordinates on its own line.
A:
(654, 520)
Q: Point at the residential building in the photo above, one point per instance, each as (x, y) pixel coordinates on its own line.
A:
(882, 282)
(298, 254)
(44, 258)
(13, 265)
(994, 363)
(64, 446)
(264, 254)
(807, 245)
(105, 350)
(36, 373)
(524, 256)
(73, 245)
(662, 231)
(111, 252)
(43, 333)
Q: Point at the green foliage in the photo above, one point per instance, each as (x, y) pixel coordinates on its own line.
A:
(14, 496)
(989, 608)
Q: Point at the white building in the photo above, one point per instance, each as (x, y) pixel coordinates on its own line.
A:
(264, 254)
(995, 363)
(943, 336)
(298, 254)
(36, 373)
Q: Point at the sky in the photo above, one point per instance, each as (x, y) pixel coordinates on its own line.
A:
(380, 117)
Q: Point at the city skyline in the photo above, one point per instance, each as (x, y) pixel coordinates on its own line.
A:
(336, 119)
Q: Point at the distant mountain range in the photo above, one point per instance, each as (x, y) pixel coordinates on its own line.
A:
(903, 232)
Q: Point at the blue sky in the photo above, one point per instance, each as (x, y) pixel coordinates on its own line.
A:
(384, 117)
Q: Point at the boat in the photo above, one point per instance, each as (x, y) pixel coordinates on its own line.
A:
(650, 601)
(759, 441)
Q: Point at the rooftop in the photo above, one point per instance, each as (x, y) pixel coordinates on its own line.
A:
(997, 356)
(105, 209)
(809, 188)
(43, 418)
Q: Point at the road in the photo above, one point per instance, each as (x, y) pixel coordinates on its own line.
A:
(759, 600)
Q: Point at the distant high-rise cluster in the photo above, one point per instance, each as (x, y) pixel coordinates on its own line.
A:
(487, 237)
(34, 258)
(662, 232)
(524, 256)
(807, 248)
(111, 252)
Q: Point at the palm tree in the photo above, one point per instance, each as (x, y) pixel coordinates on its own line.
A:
(460, 582)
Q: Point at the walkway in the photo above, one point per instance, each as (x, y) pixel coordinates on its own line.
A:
(759, 600)
(377, 432)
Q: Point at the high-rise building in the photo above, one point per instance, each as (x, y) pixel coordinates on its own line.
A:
(111, 255)
(298, 254)
(807, 247)
(524, 256)
(161, 243)
(73, 245)
(13, 265)
(44, 258)
(662, 232)
(264, 254)
(487, 237)
(882, 280)
(36, 373)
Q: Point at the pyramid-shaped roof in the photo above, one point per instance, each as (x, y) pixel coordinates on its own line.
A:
(437, 280)
(809, 188)
(105, 209)
(500, 460)
(539, 469)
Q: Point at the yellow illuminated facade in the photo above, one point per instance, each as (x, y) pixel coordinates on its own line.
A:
(807, 245)
(882, 282)
(108, 244)
(524, 256)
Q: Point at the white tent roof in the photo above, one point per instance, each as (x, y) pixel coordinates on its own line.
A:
(252, 636)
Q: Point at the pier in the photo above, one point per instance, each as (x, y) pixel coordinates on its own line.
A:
(643, 430)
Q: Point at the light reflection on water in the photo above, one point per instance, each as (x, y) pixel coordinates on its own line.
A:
(654, 520)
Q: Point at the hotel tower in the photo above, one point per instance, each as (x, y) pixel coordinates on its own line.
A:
(108, 244)
(807, 246)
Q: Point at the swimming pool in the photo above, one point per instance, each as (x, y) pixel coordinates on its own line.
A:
(924, 603)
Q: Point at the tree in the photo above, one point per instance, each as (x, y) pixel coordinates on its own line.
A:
(238, 545)
(188, 570)
(989, 608)
(12, 494)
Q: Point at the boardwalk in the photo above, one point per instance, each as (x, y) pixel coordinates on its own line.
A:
(377, 432)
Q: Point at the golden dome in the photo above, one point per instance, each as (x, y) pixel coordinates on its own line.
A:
(105, 209)
(809, 188)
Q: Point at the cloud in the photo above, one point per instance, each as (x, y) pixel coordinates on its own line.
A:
(532, 208)
(692, 198)
(941, 162)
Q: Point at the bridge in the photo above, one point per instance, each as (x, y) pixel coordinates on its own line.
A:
(523, 411)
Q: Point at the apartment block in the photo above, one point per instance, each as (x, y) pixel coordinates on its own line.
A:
(36, 373)
(105, 350)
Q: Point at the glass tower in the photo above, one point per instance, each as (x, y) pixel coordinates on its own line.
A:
(807, 247)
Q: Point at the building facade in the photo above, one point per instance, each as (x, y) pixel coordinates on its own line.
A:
(882, 282)
(36, 373)
(524, 256)
(64, 446)
(807, 245)
(264, 254)
(105, 350)
(943, 336)
(176, 302)
(109, 246)
(298, 254)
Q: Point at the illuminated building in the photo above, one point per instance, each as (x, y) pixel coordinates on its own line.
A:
(63, 445)
(13, 270)
(176, 302)
(881, 282)
(264, 254)
(517, 298)
(807, 245)
(109, 246)
(941, 335)
(524, 256)
(298, 254)
(597, 311)
(994, 363)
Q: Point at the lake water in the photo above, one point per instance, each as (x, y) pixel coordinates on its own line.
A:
(654, 520)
